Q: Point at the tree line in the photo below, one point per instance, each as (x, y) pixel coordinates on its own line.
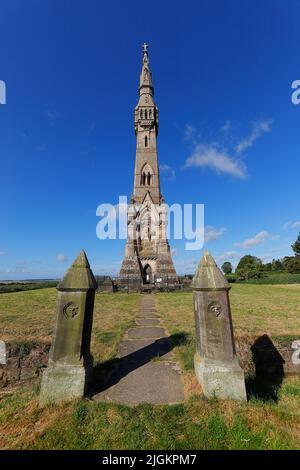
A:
(251, 267)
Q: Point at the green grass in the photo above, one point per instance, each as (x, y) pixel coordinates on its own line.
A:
(276, 278)
(256, 310)
(197, 424)
(21, 286)
(29, 317)
(268, 278)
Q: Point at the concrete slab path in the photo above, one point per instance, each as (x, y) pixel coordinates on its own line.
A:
(146, 370)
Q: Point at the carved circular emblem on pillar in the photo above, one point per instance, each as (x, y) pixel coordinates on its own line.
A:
(215, 308)
(70, 310)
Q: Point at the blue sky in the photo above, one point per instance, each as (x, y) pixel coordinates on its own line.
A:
(228, 138)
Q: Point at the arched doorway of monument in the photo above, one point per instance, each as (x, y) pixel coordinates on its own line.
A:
(147, 274)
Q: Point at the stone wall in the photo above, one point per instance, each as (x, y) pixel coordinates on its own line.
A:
(24, 362)
(264, 354)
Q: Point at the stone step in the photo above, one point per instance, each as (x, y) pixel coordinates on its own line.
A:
(146, 332)
(147, 321)
(147, 312)
(155, 383)
(145, 350)
(147, 315)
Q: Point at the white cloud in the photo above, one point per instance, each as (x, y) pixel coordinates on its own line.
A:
(215, 156)
(212, 233)
(61, 257)
(189, 131)
(168, 170)
(226, 127)
(258, 129)
(187, 266)
(292, 224)
(258, 239)
(208, 155)
(228, 255)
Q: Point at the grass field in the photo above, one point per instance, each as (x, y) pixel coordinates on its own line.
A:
(272, 277)
(6, 287)
(255, 309)
(197, 424)
(28, 317)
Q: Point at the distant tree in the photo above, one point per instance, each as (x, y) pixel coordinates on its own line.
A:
(277, 265)
(267, 267)
(227, 267)
(292, 264)
(285, 261)
(249, 267)
(248, 261)
(296, 246)
(250, 273)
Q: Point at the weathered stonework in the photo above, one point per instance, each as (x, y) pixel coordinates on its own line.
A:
(105, 284)
(216, 365)
(2, 352)
(148, 257)
(70, 362)
(26, 361)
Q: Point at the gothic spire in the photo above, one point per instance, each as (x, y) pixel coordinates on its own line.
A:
(146, 76)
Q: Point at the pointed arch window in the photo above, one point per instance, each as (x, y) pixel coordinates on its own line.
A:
(146, 141)
(146, 114)
(141, 114)
(147, 175)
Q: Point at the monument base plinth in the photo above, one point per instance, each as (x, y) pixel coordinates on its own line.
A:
(220, 379)
(62, 382)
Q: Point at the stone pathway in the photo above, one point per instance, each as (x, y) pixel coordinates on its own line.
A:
(146, 371)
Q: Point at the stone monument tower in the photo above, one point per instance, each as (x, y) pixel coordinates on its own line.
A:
(147, 256)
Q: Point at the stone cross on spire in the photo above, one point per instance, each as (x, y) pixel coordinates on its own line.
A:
(145, 53)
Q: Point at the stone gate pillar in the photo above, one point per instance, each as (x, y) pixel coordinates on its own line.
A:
(70, 361)
(216, 365)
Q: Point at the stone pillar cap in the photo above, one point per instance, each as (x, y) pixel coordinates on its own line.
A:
(79, 276)
(208, 276)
